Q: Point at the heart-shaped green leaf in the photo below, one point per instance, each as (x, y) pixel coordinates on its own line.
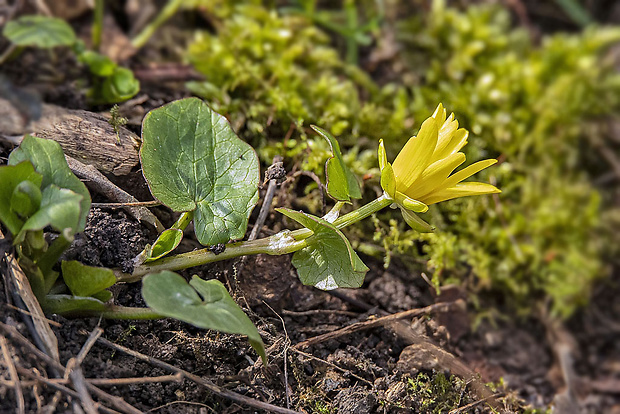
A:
(329, 262)
(60, 208)
(342, 184)
(49, 161)
(192, 160)
(203, 303)
(10, 178)
(39, 31)
(84, 280)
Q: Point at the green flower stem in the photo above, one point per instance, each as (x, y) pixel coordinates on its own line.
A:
(282, 243)
(169, 10)
(363, 212)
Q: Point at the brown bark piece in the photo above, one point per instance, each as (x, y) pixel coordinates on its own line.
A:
(85, 136)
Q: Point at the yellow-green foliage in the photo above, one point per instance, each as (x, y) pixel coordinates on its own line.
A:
(537, 107)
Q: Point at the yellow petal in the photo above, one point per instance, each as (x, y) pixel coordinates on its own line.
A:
(410, 203)
(415, 155)
(467, 172)
(434, 175)
(461, 190)
(457, 140)
(440, 114)
(416, 222)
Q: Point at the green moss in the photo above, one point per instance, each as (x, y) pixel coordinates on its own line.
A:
(537, 106)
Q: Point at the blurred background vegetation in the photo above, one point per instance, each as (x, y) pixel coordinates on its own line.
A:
(545, 104)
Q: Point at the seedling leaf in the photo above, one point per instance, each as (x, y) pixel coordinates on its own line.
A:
(342, 184)
(60, 208)
(10, 178)
(84, 280)
(329, 262)
(192, 160)
(202, 303)
(167, 241)
(39, 31)
(49, 161)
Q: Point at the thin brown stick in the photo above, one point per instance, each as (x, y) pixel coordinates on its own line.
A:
(242, 399)
(105, 382)
(373, 323)
(19, 395)
(79, 384)
(59, 387)
(32, 315)
(92, 339)
(314, 312)
(119, 403)
(153, 203)
(475, 403)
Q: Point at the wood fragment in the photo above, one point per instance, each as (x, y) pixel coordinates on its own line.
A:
(85, 136)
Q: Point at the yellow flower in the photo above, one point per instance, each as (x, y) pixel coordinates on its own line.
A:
(420, 175)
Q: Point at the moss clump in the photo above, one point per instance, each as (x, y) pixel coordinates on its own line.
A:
(538, 107)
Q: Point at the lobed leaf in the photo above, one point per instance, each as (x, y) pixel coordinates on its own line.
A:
(202, 303)
(329, 262)
(192, 160)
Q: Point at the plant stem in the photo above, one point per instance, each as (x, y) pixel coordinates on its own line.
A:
(97, 29)
(169, 10)
(119, 312)
(282, 243)
(183, 221)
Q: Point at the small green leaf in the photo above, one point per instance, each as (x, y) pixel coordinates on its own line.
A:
(118, 87)
(329, 262)
(10, 177)
(26, 198)
(342, 184)
(84, 280)
(60, 208)
(49, 161)
(169, 294)
(167, 241)
(68, 304)
(192, 160)
(39, 31)
(97, 63)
